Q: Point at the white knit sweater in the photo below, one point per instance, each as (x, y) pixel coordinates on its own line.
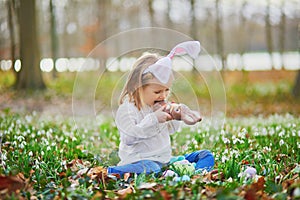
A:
(142, 136)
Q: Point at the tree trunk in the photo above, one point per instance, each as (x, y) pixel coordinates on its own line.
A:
(11, 33)
(54, 39)
(219, 34)
(168, 17)
(269, 32)
(193, 30)
(30, 73)
(151, 12)
(282, 28)
(296, 89)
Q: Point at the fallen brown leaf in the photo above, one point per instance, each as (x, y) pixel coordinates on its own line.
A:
(124, 192)
(255, 190)
(12, 183)
(165, 195)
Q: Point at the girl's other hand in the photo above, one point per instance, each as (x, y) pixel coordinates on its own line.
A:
(157, 106)
(161, 115)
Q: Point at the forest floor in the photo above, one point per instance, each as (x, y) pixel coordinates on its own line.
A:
(247, 93)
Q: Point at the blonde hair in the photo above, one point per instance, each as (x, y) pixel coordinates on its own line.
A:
(137, 80)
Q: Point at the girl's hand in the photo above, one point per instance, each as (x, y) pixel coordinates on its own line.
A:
(161, 115)
(157, 106)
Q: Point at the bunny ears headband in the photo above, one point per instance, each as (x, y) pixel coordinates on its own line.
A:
(162, 69)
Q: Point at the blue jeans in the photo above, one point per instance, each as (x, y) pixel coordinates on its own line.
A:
(204, 159)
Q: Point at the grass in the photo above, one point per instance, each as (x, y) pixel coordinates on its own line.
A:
(47, 157)
(52, 156)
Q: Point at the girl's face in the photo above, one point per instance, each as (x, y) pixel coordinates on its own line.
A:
(155, 92)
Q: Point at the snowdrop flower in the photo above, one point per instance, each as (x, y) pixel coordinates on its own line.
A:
(264, 132)
(222, 132)
(28, 118)
(20, 138)
(243, 133)
(48, 148)
(282, 133)
(281, 142)
(224, 158)
(22, 145)
(226, 140)
(3, 156)
(267, 148)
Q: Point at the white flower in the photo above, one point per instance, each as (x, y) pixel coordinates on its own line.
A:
(28, 118)
(282, 133)
(243, 133)
(230, 180)
(267, 148)
(30, 153)
(22, 145)
(224, 158)
(281, 142)
(226, 140)
(3, 157)
(20, 138)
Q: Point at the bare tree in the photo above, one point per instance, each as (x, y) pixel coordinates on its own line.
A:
(242, 29)
(282, 28)
(269, 39)
(296, 89)
(168, 17)
(54, 39)
(193, 29)
(10, 8)
(151, 12)
(193, 26)
(219, 33)
(30, 74)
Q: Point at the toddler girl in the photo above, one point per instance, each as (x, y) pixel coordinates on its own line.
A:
(143, 123)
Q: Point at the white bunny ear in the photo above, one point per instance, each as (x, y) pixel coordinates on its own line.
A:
(162, 69)
(192, 48)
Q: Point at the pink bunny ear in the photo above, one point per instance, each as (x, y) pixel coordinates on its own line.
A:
(162, 69)
(192, 48)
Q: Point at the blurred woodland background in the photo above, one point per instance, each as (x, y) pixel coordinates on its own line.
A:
(38, 37)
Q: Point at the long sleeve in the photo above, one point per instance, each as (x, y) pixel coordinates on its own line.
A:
(128, 122)
(173, 126)
(142, 137)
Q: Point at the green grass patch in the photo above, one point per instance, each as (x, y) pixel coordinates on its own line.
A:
(56, 159)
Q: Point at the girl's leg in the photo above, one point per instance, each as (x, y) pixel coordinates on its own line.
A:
(204, 159)
(143, 166)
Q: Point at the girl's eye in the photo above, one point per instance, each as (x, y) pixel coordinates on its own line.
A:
(156, 92)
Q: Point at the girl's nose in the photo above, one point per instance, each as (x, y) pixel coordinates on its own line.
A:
(164, 95)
